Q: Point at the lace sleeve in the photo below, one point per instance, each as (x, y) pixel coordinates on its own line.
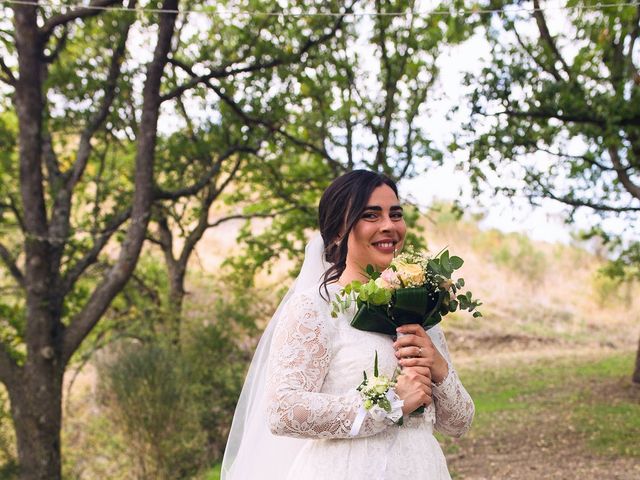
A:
(454, 406)
(299, 360)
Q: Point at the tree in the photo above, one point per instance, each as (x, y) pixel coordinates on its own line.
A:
(362, 102)
(93, 171)
(560, 106)
(261, 56)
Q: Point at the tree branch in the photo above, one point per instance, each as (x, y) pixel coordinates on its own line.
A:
(584, 158)
(547, 68)
(273, 128)
(576, 202)
(10, 262)
(51, 160)
(74, 272)
(565, 118)
(115, 280)
(547, 38)
(250, 216)
(276, 62)
(100, 115)
(82, 12)
(8, 77)
(629, 186)
(62, 41)
(160, 194)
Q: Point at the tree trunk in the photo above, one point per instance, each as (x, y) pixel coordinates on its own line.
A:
(636, 373)
(36, 407)
(176, 299)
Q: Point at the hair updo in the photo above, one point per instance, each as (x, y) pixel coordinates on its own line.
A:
(340, 208)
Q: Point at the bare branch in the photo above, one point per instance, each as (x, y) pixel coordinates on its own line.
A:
(16, 212)
(82, 12)
(10, 262)
(50, 159)
(232, 174)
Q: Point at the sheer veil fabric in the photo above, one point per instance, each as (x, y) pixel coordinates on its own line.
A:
(252, 450)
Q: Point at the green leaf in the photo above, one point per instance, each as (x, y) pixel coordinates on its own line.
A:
(444, 261)
(375, 365)
(456, 262)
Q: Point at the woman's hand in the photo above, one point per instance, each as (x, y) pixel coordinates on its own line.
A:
(414, 387)
(415, 349)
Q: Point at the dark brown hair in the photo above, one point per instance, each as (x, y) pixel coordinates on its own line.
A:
(341, 206)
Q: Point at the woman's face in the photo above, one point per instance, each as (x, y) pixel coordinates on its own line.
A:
(379, 232)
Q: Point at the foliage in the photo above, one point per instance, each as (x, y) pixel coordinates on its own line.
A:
(555, 113)
(515, 252)
(174, 404)
(153, 403)
(349, 107)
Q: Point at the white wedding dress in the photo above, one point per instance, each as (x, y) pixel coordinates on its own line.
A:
(315, 364)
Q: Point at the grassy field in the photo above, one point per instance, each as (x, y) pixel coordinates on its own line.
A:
(566, 417)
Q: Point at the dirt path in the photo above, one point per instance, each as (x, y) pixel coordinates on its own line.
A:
(534, 447)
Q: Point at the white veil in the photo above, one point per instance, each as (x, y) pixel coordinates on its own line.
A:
(252, 451)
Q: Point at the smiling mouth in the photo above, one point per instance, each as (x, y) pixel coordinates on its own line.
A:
(385, 244)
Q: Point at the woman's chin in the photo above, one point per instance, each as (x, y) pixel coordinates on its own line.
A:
(381, 262)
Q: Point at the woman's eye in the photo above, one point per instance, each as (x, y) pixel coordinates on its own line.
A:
(369, 215)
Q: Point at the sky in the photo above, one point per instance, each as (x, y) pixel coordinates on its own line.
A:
(545, 222)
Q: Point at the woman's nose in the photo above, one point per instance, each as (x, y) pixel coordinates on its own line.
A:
(387, 224)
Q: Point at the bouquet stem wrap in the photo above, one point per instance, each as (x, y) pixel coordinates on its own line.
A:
(411, 305)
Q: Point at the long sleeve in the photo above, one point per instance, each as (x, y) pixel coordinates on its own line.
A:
(299, 360)
(454, 406)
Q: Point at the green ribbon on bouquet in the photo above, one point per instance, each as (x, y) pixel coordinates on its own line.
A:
(408, 305)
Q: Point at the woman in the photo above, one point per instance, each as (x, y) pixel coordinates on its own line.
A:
(313, 362)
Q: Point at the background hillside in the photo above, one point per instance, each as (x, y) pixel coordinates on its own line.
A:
(548, 365)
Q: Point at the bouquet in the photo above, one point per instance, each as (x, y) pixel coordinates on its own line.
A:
(415, 288)
(379, 399)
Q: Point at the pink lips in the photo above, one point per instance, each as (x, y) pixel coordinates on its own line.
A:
(385, 246)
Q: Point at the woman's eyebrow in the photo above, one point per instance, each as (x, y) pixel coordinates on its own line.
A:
(378, 208)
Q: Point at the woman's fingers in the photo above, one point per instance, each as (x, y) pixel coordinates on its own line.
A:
(414, 375)
(416, 362)
(420, 370)
(412, 329)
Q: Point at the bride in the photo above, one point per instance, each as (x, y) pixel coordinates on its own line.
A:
(296, 414)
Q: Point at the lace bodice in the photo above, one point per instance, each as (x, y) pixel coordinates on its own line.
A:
(316, 362)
